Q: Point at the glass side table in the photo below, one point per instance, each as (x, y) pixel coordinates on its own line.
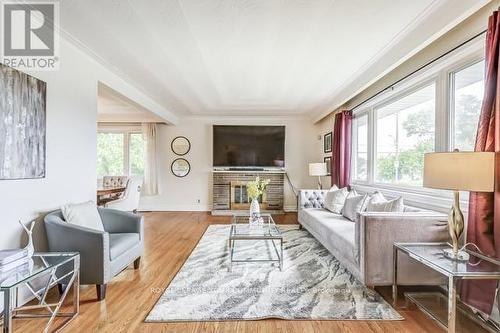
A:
(479, 267)
(51, 268)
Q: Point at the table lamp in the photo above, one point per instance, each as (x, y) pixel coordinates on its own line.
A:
(317, 169)
(459, 171)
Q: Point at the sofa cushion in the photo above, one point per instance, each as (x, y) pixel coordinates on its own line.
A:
(376, 197)
(395, 205)
(120, 243)
(332, 230)
(334, 200)
(83, 214)
(354, 204)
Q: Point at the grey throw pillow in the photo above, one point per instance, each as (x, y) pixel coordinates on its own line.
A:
(395, 205)
(354, 204)
(334, 200)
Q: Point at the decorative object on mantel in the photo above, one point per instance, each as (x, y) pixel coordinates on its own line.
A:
(23, 113)
(318, 170)
(180, 167)
(327, 142)
(180, 145)
(30, 249)
(459, 171)
(255, 189)
(328, 162)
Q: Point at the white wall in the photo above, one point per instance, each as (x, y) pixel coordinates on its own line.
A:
(182, 194)
(70, 145)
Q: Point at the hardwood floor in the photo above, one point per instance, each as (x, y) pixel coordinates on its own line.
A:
(170, 238)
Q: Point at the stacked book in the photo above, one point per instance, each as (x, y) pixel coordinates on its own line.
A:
(12, 261)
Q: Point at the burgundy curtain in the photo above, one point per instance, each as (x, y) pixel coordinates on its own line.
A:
(483, 228)
(341, 152)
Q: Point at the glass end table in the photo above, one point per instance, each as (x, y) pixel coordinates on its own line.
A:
(265, 230)
(479, 267)
(56, 268)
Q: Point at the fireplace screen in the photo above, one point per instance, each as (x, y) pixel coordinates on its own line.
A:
(240, 199)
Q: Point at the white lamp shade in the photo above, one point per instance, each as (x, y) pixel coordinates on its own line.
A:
(317, 169)
(460, 171)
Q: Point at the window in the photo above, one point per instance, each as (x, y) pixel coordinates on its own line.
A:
(466, 99)
(360, 145)
(436, 108)
(136, 154)
(110, 156)
(120, 153)
(405, 132)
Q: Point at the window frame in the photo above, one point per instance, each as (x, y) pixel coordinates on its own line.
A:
(441, 73)
(354, 149)
(451, 71)
(434, 79)
(126, 132)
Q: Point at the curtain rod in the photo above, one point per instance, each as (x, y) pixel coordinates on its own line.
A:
(420, 68)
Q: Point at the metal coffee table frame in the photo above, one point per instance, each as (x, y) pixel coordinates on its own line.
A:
(268, 236)
(72, 277)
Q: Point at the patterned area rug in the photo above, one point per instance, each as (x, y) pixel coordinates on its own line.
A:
(312, 285)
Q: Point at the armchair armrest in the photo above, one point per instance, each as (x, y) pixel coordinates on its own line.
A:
(377, 232)
(93, 246)
(117, 221)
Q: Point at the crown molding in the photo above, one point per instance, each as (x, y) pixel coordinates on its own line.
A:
(165, 114)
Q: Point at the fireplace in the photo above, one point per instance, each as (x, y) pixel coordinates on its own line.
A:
(230, 195)
(239, 199)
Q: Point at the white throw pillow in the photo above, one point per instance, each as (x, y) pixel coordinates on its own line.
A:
(395, 205)
(354, 204)
(333, 188)
(83, 214)
(334, 200)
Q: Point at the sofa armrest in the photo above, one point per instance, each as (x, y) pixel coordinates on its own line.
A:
(117, 221)
(377, 232)
(311, 199)
(93, 246)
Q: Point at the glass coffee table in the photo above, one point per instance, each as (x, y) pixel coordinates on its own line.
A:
(266, 230)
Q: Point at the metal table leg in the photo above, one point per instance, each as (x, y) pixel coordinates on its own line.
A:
(394, 276)
(7, 313)
(281, 256)
(452, 304)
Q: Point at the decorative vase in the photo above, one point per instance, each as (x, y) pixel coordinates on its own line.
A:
(30, 249)
(254, 211)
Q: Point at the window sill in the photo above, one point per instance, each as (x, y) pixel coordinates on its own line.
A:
(436, 200)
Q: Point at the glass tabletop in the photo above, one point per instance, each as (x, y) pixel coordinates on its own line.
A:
(241, 227)
(39, 263)
(432, 255)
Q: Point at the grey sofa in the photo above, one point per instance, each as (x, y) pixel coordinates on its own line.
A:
(102, 254)
(365, 247)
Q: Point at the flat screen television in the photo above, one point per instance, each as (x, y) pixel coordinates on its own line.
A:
(248, 146)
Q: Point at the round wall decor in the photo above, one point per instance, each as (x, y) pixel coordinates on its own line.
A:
(180, 167)
(180, 145)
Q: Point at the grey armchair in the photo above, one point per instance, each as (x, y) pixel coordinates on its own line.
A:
(102, 254)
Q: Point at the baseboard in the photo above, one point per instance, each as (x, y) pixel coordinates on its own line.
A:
(175, 208)
(192, 208)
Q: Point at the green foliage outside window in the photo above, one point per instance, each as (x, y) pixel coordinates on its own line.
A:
(110, 154)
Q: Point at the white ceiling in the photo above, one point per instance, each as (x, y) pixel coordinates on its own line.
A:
(114, 107)
(245, 57)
